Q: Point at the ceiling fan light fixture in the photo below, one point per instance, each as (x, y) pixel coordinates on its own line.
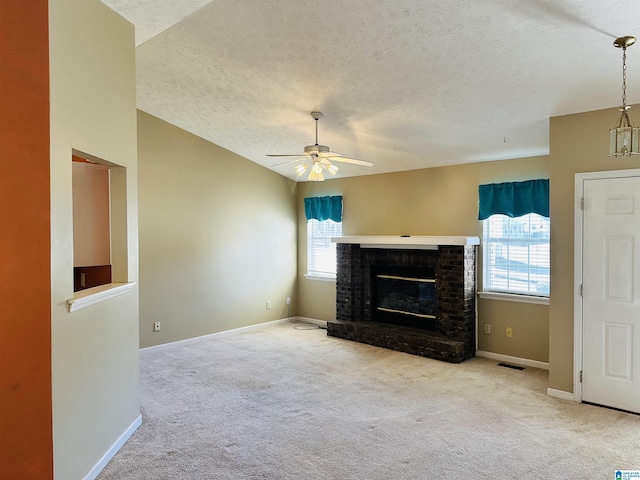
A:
(332, 169)
(316, 177)
(300, 169)
(317, 167)
(623, 139)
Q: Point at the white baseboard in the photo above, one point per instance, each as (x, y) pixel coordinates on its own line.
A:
(552, 392)
(187, 341)
(525, 362)
(320, 323)
(98, 467)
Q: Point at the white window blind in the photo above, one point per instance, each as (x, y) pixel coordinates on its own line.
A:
(321, 253)
(516, 254)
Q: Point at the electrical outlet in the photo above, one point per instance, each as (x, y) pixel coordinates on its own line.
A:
(509, 332)
(487, 329)
(83, 280)
(288, 300)
(156, 326)
(268, 304)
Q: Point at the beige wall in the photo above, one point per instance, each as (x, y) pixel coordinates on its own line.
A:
(94, 350)
(579, 143)
(217, 237)
(437, 201)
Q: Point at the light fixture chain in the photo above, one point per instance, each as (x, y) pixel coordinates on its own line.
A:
(624, 77)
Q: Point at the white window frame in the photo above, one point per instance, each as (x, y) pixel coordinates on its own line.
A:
(510, 294)
(321, 252)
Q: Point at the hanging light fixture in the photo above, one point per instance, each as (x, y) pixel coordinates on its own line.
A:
(623, 139)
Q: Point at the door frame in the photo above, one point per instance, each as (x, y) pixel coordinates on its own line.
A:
(577, 266)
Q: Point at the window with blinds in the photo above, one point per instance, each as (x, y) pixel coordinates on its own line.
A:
(321, 253)
(516, 254)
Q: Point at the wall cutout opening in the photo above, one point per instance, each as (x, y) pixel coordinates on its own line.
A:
(99, 222)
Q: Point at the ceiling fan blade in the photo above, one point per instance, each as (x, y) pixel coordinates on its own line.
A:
(296, 155)
(363, 163)
(299, 159)
(329, 154)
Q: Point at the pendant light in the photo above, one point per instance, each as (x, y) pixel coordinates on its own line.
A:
(623, 139)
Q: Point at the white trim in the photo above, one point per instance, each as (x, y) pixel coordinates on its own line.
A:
(632, 172)
(513, 297)
(398, 246)
(321, 278)
(578, 235)
(98, 467)
(320, 323)
(187, 341)
(561, 394)
(408, 242)
(91, 296)
(514, 360)
(577, 281)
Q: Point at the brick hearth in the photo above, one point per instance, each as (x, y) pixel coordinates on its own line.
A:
(454, 337)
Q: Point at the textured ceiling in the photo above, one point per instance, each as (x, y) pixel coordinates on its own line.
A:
(405, 84)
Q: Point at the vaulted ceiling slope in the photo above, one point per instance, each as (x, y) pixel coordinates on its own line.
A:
(405, 84)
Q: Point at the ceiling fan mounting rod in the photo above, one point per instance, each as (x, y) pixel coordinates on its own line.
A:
(316, 116)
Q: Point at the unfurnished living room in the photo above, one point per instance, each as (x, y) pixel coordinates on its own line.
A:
(320, 239)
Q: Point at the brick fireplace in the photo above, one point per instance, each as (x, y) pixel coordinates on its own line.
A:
(411, 294)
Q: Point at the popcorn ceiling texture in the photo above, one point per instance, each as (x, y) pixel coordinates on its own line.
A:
(406, 84)
(152, 17)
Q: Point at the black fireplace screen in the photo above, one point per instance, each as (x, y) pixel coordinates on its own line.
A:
(406, 295)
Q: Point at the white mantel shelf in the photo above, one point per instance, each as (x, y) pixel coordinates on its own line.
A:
(410, 242)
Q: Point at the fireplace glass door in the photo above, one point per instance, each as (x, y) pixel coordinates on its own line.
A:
(409, 301)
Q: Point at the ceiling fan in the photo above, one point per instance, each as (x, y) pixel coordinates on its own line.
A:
(319, 158)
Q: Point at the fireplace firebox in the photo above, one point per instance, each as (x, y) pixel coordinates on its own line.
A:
(412, 294)
(405, 297)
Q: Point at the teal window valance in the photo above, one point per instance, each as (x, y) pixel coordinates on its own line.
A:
(514, 199)
(323, 208)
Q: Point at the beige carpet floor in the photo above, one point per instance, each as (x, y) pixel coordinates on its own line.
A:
(282, 403)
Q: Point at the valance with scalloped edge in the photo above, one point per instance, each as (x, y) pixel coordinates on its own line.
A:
(323, 208)
(514, 199)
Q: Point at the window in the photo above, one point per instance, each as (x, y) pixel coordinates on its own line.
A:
(516, 254)
(324, 220)
(321, 253)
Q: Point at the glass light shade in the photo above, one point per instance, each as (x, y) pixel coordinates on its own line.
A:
(623, 140)
(332, 169)
(317, 167)
(300, 169)
(316, 177)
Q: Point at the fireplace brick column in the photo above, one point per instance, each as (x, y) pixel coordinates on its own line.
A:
(349, 283)
(455, 277)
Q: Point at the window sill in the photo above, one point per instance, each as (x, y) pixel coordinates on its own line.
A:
(512, 297)
(321, 278)
(91, 296)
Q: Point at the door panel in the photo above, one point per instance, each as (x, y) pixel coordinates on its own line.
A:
(618, 261)
(617, 353)
(611, 311)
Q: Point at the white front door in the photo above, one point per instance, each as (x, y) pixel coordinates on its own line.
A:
(611, 293)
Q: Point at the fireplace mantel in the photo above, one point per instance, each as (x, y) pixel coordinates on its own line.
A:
(406, 242)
